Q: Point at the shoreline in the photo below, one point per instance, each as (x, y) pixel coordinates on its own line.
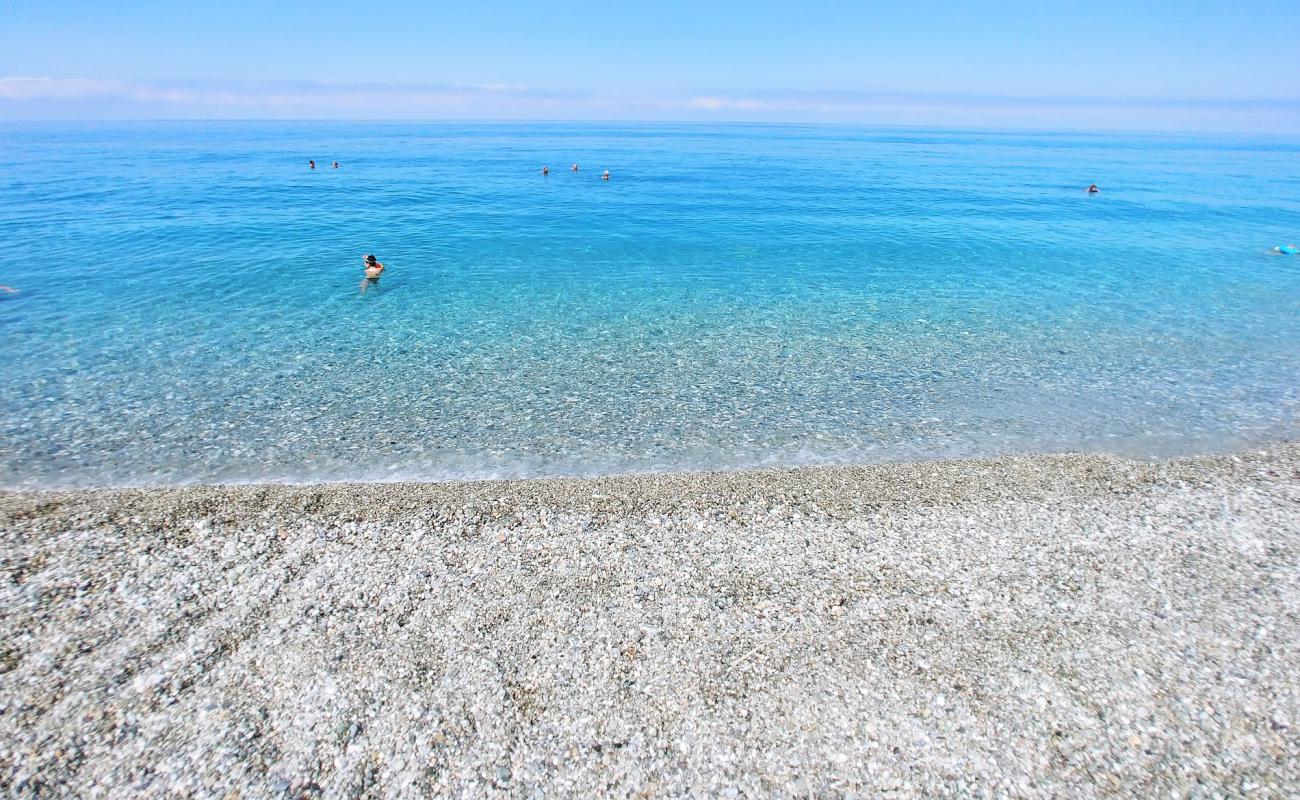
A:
(886, 481)
(1036, 626)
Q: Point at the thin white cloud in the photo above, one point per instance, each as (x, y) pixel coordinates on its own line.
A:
(36, 97)
(56, 88)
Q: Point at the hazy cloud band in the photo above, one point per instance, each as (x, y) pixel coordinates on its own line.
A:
(46, 97)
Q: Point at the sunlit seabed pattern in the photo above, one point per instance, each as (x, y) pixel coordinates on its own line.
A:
(734, 296)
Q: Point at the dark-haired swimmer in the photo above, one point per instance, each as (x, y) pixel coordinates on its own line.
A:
(373, 270)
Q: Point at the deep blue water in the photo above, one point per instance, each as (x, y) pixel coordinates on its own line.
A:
(734, 296)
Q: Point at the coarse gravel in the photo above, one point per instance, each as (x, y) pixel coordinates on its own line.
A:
(1051, 626)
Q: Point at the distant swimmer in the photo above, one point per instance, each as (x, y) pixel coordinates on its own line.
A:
(573, 168)
(605, 176)
(8, 289)
(1093, 189)
(311, 164)
(1282, 250)
(546, 170)
(373, 270)
(336, 165)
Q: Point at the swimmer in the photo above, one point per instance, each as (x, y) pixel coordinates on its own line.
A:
(1282, 250)
(311, 164)
(8, 289)
(605, 176)
(1093, 189)
(573, 168)
(546, 170)
(336, 165)
(373, 270)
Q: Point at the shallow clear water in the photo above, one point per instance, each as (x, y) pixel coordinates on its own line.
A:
(735, 296)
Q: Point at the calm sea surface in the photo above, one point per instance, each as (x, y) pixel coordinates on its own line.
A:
(734, 296)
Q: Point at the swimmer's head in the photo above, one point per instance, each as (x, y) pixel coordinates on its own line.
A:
(370, 259)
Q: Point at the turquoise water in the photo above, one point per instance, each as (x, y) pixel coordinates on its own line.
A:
(734, 296)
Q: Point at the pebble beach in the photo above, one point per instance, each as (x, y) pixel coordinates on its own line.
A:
(1076, 625)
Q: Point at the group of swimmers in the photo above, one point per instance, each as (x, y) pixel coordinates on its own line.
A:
(311, 164)
(547, 171)
(374, 268)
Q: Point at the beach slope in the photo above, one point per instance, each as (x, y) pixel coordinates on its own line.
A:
(1045, 626)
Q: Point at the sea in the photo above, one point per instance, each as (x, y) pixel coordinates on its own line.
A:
(733, 296)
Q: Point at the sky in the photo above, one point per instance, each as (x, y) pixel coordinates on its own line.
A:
(1197, 65)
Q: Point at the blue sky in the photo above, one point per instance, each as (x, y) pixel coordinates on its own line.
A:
(1195, 65)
